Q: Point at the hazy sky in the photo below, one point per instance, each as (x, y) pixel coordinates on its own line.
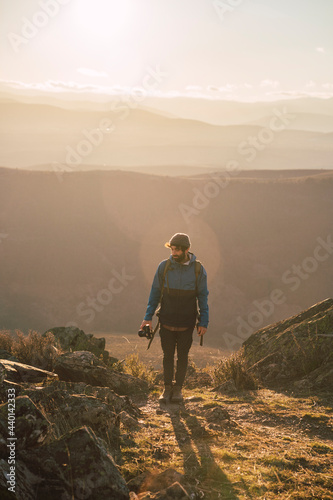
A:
(222, 48)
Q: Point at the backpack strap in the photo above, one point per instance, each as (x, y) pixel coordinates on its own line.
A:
(198, 266)
(165, 270)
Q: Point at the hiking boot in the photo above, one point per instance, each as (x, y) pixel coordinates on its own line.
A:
(166, 394)
(177, 396)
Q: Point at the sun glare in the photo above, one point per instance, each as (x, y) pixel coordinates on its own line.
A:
(105, 32)
(107, 21)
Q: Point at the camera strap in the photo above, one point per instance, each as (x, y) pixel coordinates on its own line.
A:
(153, 334)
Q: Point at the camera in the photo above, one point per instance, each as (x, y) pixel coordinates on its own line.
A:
(146, 332)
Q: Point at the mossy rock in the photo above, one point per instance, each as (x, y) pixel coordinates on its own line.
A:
(73, 339)
(292, 349)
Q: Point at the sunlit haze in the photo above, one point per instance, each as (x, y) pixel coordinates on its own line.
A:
(242, 50)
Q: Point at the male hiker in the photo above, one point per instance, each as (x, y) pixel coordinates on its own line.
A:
(184, 285)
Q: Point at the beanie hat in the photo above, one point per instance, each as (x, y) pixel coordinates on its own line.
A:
(179, 240)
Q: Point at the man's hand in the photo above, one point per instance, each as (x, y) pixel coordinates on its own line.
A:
(201, 330)
(144, 323)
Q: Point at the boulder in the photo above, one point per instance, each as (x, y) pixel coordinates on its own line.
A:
(84, 366)
(73, 339)
(75, 466)
(321, 378)
(31, 427)
(294, 348)
(13, 371)
(67, 406)
(52, 395)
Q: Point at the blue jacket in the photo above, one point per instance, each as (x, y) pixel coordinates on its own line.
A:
(180, 296)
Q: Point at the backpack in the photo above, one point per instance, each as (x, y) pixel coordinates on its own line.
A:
(165, 270)
(198, 266)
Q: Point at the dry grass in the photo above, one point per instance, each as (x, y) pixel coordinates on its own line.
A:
(32, 349)
(6, 340)
(234, 368)
(267, 450)
(137, 368)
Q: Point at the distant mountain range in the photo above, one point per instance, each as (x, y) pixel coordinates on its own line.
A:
(280, 135)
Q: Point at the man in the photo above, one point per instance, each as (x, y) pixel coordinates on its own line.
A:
(185, 285)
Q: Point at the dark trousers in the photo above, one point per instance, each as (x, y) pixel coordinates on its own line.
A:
(170, 341)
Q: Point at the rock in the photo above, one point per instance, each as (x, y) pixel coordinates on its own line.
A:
(123, 383)
(176, 490)
(31, 427)
(13, 371)
(26, 482)
(52, 395)
(173, 492)
(228, 387)
(7, 355)
(130, 423)
(83, 366)
(75, 466)
(81, 410)
(321, 378)
(137, 483)
(102, 410)
(198, 379)
(217, 414)
(158, 482)
(147, 483)
(289, 350)
(74, 339)
(194, 399)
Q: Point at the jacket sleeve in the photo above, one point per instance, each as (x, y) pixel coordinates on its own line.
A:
(155, 293)
(203, 298)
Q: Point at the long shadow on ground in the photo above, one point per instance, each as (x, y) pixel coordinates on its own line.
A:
(200, 466)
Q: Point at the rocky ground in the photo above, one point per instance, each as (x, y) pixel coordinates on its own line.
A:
(252, 444)
(76, 426)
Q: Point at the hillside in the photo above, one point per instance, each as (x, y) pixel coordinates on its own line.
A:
(126, 135)
(65, 237)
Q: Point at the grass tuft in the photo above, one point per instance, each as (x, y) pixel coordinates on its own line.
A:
(6, 341)
(235, 368)
(32, 349)
(137, 368)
